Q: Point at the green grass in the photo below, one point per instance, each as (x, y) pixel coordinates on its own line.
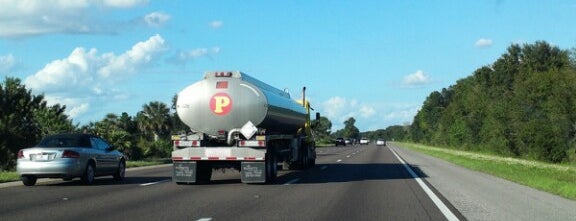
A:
(319, 145)
(151, 162)
(10, 176)
(553, 178)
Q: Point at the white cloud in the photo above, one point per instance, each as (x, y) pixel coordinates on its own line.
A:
(483, 43)
(84, 76)
(60, 74)
(78, 110)
(123, 3)
(339, 109)
(417, 78)
(216, 24)
(368, 116)
(334, 107)
(140, 55)
(6, 63)
(404, 112)
(156, 19)
(367, 111)
(75, 107)
(22, 18)
(184, 57)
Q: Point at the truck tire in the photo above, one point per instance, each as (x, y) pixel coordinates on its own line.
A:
(312, 162)
(305, 160)
(203, 173)
(271, 166)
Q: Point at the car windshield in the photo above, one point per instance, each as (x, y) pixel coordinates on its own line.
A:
(65, 141)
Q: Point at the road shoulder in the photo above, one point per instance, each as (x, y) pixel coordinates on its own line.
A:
(479, 196)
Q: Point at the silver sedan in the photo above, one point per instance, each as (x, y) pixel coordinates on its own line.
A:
(69, 156)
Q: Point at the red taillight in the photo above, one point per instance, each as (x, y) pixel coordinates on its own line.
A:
(20, 154)
(70, 154)
(177, 158)
(223, 74)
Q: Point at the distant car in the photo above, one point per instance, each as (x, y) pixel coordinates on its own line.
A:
(340, 142)
(381, 142)
(348, 141)
(364, 141)
(69, 156)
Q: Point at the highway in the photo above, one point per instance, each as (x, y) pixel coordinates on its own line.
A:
(349, 183)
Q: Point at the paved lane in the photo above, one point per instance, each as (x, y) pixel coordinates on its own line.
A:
(349, 183)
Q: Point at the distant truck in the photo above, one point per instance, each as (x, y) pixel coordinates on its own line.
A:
(242, 123)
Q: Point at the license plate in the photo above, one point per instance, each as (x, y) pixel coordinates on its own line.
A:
(41, 157)
(218, 152)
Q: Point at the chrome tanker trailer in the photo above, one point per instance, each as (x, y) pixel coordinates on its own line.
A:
(239, 122)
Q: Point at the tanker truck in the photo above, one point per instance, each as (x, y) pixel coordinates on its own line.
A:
(239, 122)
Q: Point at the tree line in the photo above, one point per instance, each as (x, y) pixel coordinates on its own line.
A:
(522, 105)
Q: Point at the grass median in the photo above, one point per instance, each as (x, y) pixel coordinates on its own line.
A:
(552, 178)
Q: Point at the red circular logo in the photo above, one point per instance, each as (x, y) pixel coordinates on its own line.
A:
(221, 103)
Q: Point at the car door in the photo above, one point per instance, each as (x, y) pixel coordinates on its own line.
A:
(106, 160)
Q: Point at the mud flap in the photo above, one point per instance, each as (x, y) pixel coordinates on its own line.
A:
(184, 172)
(253, 172)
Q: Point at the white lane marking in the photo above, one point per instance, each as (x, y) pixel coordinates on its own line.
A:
(204, 219)
(323, 167)
(292, 181)
(443, 208)
(339, 160)
(348, 156)
(154, 183)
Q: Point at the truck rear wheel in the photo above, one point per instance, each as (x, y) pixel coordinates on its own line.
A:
(271, 167)
(312, 162)
(203, 173)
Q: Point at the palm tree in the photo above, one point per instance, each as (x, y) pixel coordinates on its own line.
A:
(154, 119)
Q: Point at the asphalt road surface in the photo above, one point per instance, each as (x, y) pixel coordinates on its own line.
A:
(349, 183)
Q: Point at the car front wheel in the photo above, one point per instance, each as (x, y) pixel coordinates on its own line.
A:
(29, 180)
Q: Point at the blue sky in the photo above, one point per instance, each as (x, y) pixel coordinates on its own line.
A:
(376, 61)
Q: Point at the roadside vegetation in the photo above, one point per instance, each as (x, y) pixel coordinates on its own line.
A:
(559, 179)
(8, 177)
(523, 105)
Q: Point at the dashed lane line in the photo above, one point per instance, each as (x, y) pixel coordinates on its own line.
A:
(292, 181)
(154, 183)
